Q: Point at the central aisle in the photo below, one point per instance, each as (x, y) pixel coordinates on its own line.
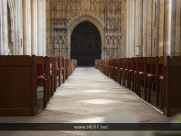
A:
(87, 96)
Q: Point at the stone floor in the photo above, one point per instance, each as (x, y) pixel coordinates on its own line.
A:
(87, 96)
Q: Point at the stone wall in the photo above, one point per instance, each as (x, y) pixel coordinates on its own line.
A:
(64, 16)
(26, 26)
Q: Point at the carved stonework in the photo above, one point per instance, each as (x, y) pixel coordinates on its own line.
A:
(86, 4)
(105, 12)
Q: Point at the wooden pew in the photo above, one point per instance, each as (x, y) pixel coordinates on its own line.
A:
(163, 72)
(63, 68)
(52, 73)
(107, 68)
(66, 69)
(140, 73)
(120, 70)
(104, 67)
(111, 67)
(43, 79)
(150, 76)
(134, 66)
(116, 66)
(70, 67)
(100, 65)
(130, 72)
(159, 81)
(73, 66)
(59, 71)
(18, 89)
(172, 85)
(125, 71)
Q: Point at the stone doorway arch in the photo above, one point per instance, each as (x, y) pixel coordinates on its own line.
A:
(87, 16)
(85, 44)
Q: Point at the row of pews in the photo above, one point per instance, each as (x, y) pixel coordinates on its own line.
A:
(156, 80)
(28, 82)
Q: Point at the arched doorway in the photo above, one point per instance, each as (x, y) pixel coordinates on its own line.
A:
(85, 44)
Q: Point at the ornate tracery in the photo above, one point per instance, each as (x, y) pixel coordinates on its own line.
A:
(62, 12)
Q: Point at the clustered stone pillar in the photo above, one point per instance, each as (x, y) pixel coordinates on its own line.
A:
(26, 27)
(178, 33)
(167, 37)
(34, 27)
(132, 28)
(139, 25)
(39, 29)
(44, 27)
(4, 27)
(128, 29)
(123, 27)
(161, 27)
(1, 45)
(149, 28)
(145, 5)
(18, 28)
(152, 29)
(140, 30)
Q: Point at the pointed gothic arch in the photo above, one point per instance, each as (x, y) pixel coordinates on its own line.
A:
(85, 44)
(81, 18)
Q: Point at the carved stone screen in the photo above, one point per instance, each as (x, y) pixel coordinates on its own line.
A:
(85, 44)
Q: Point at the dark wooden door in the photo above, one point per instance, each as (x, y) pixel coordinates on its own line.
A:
(85, 44)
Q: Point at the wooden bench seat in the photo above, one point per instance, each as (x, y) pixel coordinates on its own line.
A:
(18, 90)
(43, 65)
(172, 85)
(159, 81)
(140, 72)
(160, 77)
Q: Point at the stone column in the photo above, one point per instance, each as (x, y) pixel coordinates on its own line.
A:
(145, 8)
(161, 27)
(173, 25)
(132, 28)
(127, 28)
(18, 28)
(1, 45)
(39, 29)
(156, 28)
(167, 36)
(140, 38)
(128, 31)
(149, 28)
(178, 33)
(139, 24)
(4, 27)
(34, 27)
(48, 31)
(44, 27)
(26, 27)
(123, 29)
